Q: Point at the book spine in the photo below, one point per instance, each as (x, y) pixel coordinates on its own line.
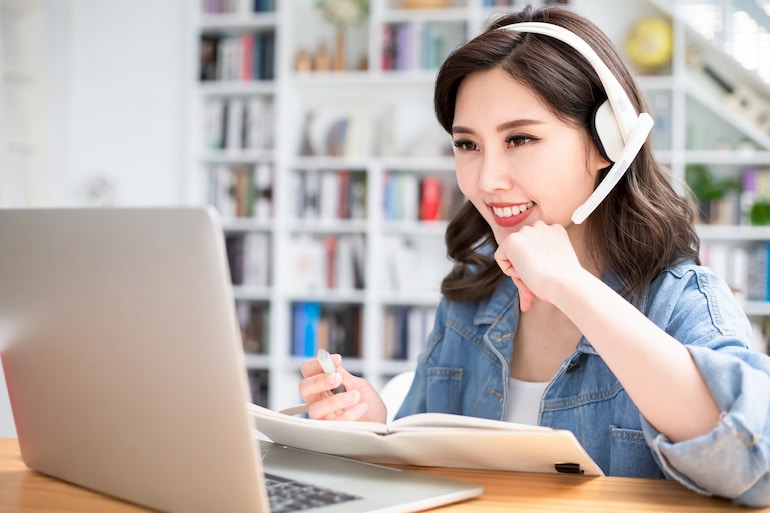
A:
(263, 191)
(388, 48)
(247, 57)
(430, 198)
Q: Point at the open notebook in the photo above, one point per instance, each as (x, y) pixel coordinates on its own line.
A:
(126, 374)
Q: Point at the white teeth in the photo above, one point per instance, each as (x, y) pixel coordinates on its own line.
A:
(511, 211)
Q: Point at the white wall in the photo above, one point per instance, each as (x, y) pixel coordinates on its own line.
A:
(119, 75)
(121, 120)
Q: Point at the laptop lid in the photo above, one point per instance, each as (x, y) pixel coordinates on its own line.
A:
(125, 369)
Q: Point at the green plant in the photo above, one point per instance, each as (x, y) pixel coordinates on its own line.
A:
(760, 212)
(705, 186)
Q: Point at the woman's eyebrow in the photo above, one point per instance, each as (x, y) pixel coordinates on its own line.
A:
(461, 130)
(517, 123)
(508, 125)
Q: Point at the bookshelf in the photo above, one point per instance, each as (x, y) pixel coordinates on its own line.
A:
(711, 130)
(349, 238)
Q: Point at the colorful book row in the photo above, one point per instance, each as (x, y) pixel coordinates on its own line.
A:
(239, 123)
(254, 321)
(409, 196)
(236, 6)
(248, 257)
(329, 194)
(249, 56)
(405, 331)
(408, 46)
(326, 262)
(336, 328)
(242, 190)
(745, 268)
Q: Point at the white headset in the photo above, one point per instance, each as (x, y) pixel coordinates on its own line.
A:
(619, 129)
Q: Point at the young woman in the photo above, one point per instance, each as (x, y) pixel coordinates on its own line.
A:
(608, 328)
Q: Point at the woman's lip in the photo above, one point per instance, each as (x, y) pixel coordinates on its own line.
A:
(512, 220)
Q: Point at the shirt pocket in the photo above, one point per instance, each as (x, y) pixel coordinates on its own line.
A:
(444, 386)
(630, 456)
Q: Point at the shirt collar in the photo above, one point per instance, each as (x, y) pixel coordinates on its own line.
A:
(503, 305)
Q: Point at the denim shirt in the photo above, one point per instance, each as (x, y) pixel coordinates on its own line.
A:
(464, 370)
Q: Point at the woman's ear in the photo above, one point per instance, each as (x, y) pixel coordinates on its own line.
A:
(596, 162)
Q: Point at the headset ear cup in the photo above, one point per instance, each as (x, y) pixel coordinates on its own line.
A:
(606, 132)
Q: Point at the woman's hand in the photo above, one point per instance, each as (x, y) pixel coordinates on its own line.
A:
(535, 257)
(360, 401)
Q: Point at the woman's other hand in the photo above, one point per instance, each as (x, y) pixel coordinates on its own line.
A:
(359, 401)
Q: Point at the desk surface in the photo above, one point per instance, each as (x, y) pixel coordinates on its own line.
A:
(25, 491)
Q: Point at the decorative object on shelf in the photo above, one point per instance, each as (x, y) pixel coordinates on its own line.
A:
(425, 4)
(342, 13)
(101, 190)
(650, 44)
(303, 61)
(322, 60)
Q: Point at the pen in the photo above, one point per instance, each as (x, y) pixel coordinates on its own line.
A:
(328, 366)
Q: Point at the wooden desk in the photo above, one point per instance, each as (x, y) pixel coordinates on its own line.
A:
(25, 491)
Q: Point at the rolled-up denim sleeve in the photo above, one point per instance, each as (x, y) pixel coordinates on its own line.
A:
(733, 459)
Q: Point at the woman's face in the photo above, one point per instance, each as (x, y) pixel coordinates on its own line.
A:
(515, 161)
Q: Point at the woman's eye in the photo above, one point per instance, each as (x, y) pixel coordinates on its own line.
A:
(518, 140)
(464, 145)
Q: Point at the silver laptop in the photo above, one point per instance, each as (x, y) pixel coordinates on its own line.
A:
(126, 375)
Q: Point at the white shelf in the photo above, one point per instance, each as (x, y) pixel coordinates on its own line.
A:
(328, 296)
(322, 162)
(364, 79)
(245, 224)
(236, 88)
(247, 293)
(732, 158)
(416, 228)
(756, 308)
(327, 226)
(449, 14)
(733, 233)
(425, 299)
(718, 107)
(237, 22)
(256, 361)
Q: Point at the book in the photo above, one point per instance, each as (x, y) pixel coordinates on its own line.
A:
(434, 440)
(234, 129)
(263, 190)
(305, 333)
(256, 259)
(213, 128)
(430, 198)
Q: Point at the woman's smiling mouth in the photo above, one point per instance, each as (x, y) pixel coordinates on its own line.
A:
(511, 211)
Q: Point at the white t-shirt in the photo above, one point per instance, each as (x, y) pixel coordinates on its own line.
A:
(524, 401)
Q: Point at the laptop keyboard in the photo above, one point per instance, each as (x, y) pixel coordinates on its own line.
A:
(287, 495)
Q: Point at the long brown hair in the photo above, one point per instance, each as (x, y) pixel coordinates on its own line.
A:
(641, 228)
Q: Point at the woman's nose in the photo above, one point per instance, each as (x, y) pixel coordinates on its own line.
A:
(494, 174)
